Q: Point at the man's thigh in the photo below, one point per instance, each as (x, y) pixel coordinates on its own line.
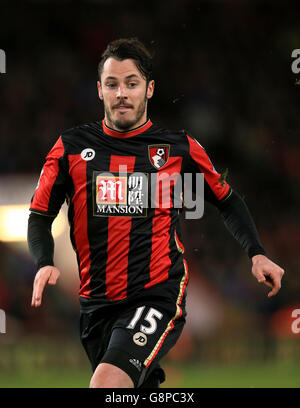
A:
(95, 332)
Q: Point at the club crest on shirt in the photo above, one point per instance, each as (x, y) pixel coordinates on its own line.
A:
(158, 155)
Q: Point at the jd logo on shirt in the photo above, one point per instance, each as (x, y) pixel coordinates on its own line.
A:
(88, 154)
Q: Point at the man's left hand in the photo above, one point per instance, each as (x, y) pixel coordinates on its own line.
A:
(267, 272)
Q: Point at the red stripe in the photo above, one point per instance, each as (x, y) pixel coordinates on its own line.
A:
(160, 261)
(186, 280)
(161, 343)
(205, 166)
(47, 179)
(130, 133)
(118, 242)
(172, 322)
(78, 173)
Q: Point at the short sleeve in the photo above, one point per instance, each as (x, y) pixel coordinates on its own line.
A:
(50, 191)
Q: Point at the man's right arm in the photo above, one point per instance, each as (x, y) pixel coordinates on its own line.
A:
(46, 202)
(41, 246)
(40, 239)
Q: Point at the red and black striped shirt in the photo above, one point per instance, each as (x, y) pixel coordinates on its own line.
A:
(123, 249)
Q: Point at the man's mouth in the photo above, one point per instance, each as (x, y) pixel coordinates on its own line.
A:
(123, 108)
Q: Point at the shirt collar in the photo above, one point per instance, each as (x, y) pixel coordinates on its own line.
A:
(133, 132)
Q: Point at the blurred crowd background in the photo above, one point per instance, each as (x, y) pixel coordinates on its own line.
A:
(223, 72)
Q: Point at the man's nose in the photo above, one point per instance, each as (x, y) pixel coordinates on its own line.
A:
(121, 92)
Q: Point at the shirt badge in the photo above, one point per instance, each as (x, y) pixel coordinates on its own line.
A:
(158, 155)
(88, 154)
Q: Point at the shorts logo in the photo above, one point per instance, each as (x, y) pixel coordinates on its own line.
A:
(158, 155)
(123, 195)
(140, 339)
(88, 154)
(136, 363)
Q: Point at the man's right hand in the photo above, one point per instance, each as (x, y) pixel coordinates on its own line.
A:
(47, 274)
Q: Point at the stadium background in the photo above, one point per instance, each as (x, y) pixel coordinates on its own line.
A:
(222, 71)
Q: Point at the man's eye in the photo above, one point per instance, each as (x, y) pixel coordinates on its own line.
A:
(110, 85)
(132, 84)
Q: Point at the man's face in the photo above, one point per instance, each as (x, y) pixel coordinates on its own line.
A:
(125, 93)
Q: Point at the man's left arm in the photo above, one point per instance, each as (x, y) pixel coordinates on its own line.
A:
(237, 217)
(239, 222)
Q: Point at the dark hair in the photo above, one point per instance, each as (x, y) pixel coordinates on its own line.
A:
(128, 48)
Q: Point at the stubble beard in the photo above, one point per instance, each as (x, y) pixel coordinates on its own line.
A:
(126, 124)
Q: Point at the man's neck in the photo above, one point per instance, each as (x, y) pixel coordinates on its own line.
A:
(133, 127)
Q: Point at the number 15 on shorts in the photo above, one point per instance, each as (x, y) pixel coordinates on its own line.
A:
(151, 318)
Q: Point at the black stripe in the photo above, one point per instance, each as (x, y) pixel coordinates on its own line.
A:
(71, 212)
(58, 191)
(97, 229)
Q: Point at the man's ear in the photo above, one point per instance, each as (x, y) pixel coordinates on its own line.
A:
(99, 90)
(150, 89)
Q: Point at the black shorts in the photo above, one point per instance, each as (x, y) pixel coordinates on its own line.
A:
(133, 337)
